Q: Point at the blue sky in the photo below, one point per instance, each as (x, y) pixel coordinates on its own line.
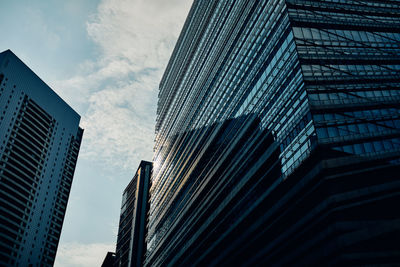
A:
(105, 58)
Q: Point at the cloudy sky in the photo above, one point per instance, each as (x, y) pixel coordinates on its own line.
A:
(105, 58)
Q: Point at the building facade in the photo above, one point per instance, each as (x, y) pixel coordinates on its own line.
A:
(39, 144)
(315, 182)
(131, 242)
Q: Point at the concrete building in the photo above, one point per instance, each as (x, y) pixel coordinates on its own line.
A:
(39, 144)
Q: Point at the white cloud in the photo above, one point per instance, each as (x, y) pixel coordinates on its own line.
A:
(119, 125)
(116, 94)
(141, 32)
(82, 255)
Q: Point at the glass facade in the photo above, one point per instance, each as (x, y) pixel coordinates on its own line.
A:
(269, 113)
(350, 64)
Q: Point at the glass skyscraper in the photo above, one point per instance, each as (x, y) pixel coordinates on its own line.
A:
(278, 136)
(39, 145)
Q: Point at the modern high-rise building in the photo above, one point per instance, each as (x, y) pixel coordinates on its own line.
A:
(131, 242)
(39, 144)
(278, 136)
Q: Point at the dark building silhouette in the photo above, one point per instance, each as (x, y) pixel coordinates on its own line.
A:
(131, 242)
(278, 136)
(109, 260)
(39, 144)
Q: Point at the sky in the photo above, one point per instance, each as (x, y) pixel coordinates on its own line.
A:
(105, 58)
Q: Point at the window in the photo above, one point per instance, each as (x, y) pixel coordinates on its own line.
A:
(333, 132)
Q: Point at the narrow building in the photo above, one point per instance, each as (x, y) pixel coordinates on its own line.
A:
(131, 242)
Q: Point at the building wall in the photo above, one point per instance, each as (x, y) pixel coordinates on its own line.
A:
(256, 116)
(132, 230)
(40, 140)
(350, 64)
(126, 223)
(241, 60)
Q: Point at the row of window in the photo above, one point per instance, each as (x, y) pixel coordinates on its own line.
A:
(350, 70)
(352, 116)
(359, 128)
(350, 18)
(354, 94)
(353, 38)
(370, 147)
